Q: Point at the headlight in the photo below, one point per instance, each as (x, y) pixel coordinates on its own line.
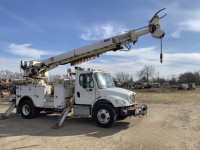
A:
(120, 102)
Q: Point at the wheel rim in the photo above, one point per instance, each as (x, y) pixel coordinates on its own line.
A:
(103, 116)
(26, 109)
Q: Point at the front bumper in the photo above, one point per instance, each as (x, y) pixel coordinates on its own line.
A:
(134, 111)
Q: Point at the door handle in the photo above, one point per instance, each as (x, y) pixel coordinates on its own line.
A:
(87, 89)
(78, 94)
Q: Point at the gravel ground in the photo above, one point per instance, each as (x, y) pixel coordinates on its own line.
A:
(172, 122)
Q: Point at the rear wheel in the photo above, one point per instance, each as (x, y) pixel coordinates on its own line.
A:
(104, 115)
(27, 109)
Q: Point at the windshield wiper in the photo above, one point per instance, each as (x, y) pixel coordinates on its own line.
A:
(110, 86)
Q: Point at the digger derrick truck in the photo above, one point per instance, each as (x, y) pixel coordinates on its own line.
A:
(90, 93)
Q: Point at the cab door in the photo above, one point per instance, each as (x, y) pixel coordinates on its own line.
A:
(85, 88)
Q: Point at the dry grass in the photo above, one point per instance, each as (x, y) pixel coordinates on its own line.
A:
(172, 123)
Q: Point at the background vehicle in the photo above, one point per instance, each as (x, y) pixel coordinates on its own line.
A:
(138, 85)
(4, 89)
(155, 85)
(192, 86)
(184, 86)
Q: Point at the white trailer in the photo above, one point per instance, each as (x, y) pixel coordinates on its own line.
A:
(91, 93)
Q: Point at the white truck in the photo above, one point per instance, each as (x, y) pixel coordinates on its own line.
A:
(90, 93)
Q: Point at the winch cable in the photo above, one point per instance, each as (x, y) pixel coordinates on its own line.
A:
(161, 54)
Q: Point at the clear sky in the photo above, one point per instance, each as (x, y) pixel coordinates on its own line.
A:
(38, 29)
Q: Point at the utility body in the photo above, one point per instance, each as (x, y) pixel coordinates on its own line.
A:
(89, 92)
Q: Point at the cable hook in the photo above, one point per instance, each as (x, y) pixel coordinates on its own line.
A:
(156, 15)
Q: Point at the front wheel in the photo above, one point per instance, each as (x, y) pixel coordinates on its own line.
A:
(104, 115)
(27, 109)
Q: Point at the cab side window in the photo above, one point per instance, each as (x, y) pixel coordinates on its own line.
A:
(81, 79)
(86, 80)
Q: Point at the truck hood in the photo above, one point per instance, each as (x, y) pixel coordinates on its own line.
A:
(119, 92)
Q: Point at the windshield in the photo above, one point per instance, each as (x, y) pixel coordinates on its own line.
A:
(104, 80)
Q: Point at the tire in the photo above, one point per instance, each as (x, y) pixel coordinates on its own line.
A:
(27, 109)
(104, 115)
(119, 117)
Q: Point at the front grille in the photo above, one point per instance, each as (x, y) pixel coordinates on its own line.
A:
(132, 99)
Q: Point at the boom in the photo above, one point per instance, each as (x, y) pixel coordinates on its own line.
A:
(37, 69)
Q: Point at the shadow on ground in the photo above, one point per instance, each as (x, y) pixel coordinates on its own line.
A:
(41, 126)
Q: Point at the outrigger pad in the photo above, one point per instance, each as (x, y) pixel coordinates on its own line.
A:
(4, 117)
(56, 126)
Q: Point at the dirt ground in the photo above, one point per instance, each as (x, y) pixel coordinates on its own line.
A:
(172, 122)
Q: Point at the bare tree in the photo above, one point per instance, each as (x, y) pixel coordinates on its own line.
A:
(146, 73)
(5, 74)
(53, 78)
(161, 80)
(190, 77)
(173, 80)
(123, 77)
